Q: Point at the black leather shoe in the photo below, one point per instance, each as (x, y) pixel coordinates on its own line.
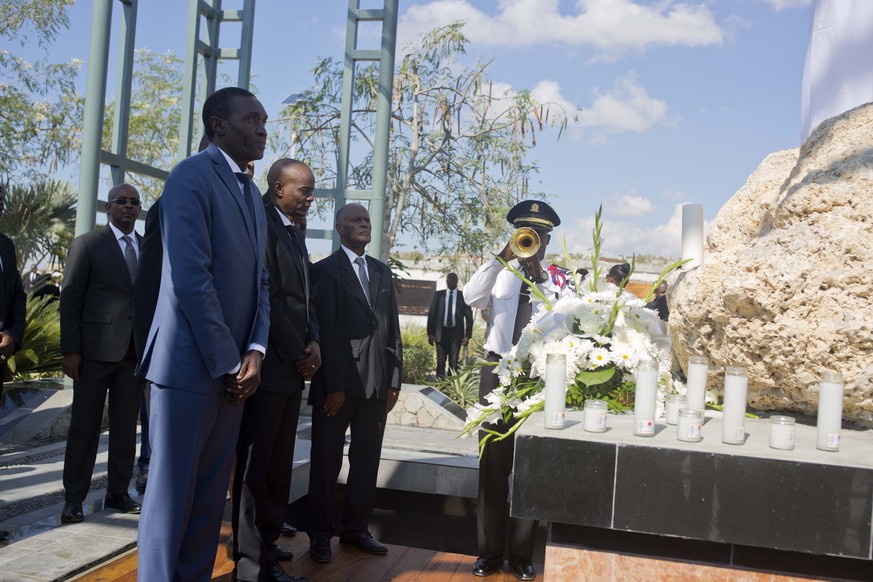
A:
(319, 550)
(72, 513)
(485, 566)
(278, 574)
(141, 481)
(522, 569)
(122, 502)
(282, 554)
(288, 530)
(366, 543)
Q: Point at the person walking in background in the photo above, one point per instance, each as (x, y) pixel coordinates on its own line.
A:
(357, 386)
(449, 325)
(265, 449)
(97, 353)
(512, 311)
(206, 342)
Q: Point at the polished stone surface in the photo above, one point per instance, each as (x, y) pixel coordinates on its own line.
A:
(803, 500)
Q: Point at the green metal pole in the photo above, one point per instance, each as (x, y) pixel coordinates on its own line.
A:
(383, 125)
(123, 85)
(95, 102)
(342, 166)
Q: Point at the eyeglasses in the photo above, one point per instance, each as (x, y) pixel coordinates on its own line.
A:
(126, 201)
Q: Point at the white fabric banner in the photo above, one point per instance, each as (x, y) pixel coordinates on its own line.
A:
(838, 74)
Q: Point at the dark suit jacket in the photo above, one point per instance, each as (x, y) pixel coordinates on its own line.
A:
(148, 278)
(12, 297)
(97, 298)
(360, 345)
(437, 315)
(292, 325)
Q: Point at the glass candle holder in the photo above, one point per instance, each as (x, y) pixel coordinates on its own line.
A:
(644, 399)
(698, 371)
(674, 403)
(736, 383)
(594, 419)
(830, 411)
(689, 425)
(782, 432)
(555, 391)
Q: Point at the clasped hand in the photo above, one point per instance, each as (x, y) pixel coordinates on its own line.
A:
(245, 382)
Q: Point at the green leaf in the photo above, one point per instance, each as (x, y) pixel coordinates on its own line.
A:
(595, 377)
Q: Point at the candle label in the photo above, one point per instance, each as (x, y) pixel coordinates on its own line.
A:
(558, 418)
(791, 439)
(693, 430)
(833, 440)
(601, 421)
(646, 427)
(741, 434)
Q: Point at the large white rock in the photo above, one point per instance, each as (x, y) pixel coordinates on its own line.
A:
(786, 287)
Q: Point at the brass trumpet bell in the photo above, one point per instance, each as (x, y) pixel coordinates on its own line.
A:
(524, 242)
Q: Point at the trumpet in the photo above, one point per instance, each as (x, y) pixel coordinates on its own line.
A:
(524, 242)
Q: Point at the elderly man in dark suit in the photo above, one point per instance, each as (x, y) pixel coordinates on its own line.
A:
(207, 339)
(98, 353)
(265, 450)
(449, 324)
(358, 384)
(12, 299)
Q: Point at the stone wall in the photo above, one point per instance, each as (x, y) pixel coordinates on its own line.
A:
(786, 287)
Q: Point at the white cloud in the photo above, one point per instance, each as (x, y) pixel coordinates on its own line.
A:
(625, 238)
(614, 27)
(630, 205)
(783, 4)
(625, 107)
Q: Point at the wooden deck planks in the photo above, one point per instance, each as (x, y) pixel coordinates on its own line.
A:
(402, 564)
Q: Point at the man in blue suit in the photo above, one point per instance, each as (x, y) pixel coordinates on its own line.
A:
(206, 342)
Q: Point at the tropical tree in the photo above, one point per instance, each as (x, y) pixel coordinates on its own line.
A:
(39, 218)
(40, 111)
(458, 146)
(155, 112)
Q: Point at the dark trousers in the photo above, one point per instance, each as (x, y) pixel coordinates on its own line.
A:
(496, 530)
(367, 420)
(264, 458)
(89, 395)
(448, 347)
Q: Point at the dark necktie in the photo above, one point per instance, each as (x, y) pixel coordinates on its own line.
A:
(130, 257)
(362, 276)
(450, 311)
(248, 194)
(300, 247)
(524, 313)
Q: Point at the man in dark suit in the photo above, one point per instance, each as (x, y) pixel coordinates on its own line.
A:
(265, 450)
(449, 324)
(12, 300)
(98, 354)
(357, 385)
(205, 345)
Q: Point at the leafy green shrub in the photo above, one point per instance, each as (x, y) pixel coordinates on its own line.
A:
(40, 353)
(419, 360)
(462, 388)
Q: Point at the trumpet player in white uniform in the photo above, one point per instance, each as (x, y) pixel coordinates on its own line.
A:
(499, 534)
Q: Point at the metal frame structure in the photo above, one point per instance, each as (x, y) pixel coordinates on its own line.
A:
(95, 91)
(201, 67)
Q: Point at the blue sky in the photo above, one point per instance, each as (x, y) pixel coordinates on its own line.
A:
(681, 100)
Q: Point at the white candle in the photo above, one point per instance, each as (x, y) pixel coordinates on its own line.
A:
(692, 235)
(556, 390)
(674, 403)
(782, 432)
(698, 369)
(689, 425)
(736, 382)
(644, 400)
(830, 411)
(594, 419)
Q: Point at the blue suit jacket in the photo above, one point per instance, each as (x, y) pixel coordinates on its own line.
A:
(214, 295)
